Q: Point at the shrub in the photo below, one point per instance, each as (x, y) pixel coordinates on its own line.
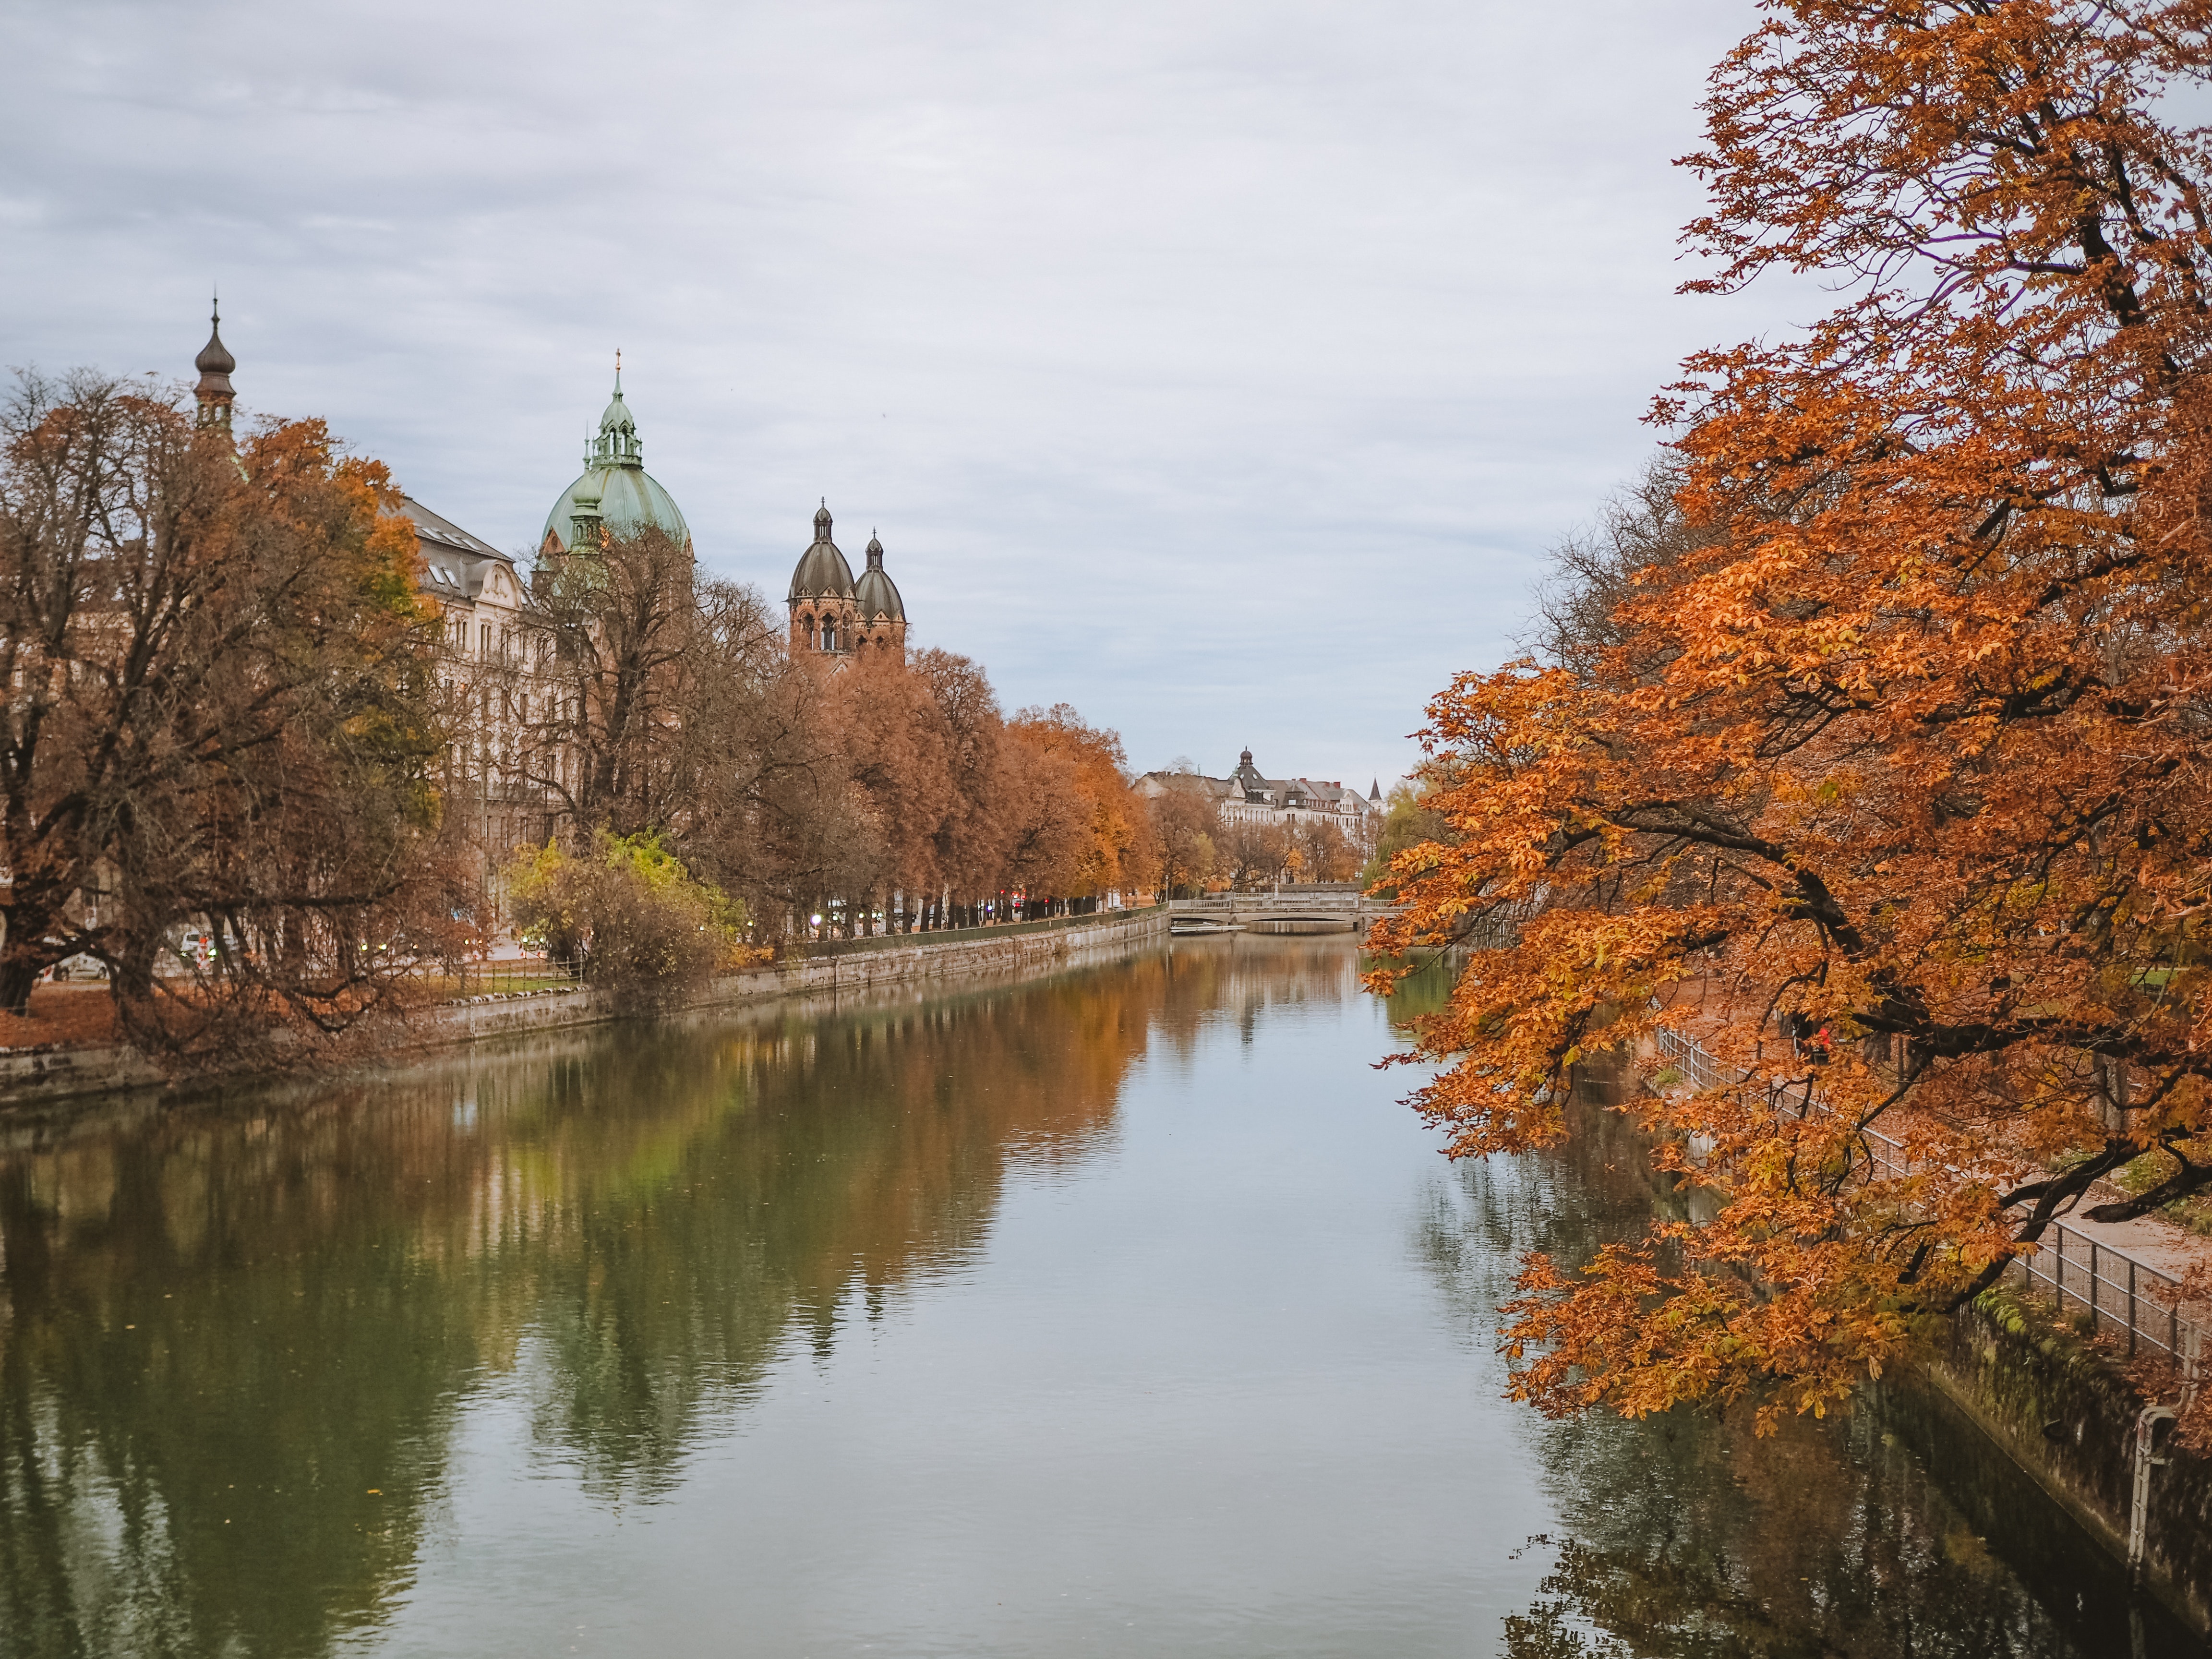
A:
(627, 917)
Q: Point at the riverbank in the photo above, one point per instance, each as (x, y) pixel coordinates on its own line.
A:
(2065, 1411)
(55, 1073)
(2061, 1398)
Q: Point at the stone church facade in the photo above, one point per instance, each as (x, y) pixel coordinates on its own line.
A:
(832, 615)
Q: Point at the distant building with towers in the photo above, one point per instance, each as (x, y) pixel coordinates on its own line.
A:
(504, 770)
(1245, 796)
(833, 615)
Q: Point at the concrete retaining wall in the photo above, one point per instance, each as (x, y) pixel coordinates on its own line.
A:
(2065, 1414)
(34, 1077)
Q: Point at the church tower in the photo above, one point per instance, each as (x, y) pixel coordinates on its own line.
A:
(882, 611)
(214, 393)
(824, 615)
(832, 614)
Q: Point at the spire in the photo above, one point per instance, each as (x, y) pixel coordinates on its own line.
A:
(875, 552)
(584, 520)
(214, 393)
(822, 521)
(617, 443)
(1375, 789)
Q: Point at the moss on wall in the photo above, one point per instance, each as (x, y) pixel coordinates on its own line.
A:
(2065, 1411)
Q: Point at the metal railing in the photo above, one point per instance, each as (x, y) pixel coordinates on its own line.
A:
(2123, 1294)
(479, 976)
(839, 947)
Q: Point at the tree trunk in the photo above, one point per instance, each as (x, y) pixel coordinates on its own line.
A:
(18, 974)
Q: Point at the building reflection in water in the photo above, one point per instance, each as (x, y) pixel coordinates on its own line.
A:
(235, 1338)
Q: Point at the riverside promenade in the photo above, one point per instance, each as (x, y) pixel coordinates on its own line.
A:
(52, 1072)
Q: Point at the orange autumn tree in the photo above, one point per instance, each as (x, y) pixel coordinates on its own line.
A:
(1908, 735)
(1111, 849)
(223, 716)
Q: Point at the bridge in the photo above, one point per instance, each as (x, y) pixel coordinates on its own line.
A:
(1313, 908)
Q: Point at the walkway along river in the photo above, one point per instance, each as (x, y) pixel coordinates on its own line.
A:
(1123, 1312)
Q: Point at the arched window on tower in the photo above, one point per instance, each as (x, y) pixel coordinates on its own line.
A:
(829, 635)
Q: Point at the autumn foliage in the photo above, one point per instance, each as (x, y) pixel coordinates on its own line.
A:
(221, 715)
(627, 915)
(880, 792)
(1905, 739)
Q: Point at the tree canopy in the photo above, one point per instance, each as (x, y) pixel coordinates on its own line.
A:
(221, 710)
(1902, 730)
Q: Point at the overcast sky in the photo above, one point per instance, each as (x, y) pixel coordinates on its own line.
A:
(1222, 368)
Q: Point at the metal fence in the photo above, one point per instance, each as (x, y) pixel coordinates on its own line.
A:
(478, 976)
(2125, 1297)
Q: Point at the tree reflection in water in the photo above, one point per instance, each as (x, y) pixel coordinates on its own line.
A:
(239, 1342)
(234, 1339)
(1691, 1538)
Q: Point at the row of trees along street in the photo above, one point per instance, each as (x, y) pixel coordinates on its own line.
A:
(231, 713)
(1883, 705)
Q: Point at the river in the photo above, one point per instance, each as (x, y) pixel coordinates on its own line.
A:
(1126, 1312)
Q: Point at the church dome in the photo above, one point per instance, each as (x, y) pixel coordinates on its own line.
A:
(214, 357)
(630, 499)
(876, 593)
(822, 568)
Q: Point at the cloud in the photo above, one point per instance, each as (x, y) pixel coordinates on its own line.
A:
(1221, 369)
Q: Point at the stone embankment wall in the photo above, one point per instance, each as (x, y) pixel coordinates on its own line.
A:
(2066, 1414)
(34, 1077)
(2064, 1411)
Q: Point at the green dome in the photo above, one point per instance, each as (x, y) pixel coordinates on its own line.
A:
(630, 499)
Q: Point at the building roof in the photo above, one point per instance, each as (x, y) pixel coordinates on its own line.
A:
(215, 362)
(877, 594)
(1246, 784)
(822, 569)
(457, 563)
(628, 499)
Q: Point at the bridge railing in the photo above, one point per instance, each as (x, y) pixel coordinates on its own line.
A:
(1298, 898)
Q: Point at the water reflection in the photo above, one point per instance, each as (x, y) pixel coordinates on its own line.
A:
(1067, 1315)
(233, 1340)
(1688, 1536)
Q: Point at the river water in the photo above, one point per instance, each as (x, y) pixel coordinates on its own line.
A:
(1123, 1313)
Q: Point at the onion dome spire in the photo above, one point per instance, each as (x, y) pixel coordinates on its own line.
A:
(615, 495)
(822, 570)
(876, 593)
(214, 393)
